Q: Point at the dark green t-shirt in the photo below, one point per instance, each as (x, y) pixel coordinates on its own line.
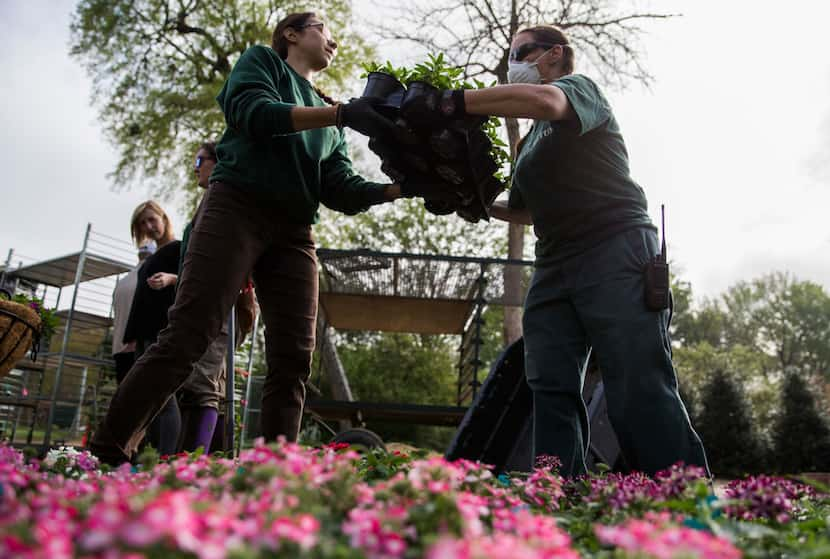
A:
(573, 177)
(260, 152)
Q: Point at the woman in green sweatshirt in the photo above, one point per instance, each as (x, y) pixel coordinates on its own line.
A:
(282, 154)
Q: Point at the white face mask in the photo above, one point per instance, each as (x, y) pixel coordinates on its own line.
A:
(523, 72)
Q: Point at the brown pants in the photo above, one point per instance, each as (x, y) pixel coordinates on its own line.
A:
(234, 233)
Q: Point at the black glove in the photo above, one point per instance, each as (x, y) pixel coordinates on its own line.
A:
(434, 106)
(360, 115)
(429, 188)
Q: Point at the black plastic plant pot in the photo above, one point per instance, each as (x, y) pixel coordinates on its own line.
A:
(381, 148)
(380, 85)
(411, 110)
(482, 167)
(447, 144)
(392, 172)
(488, 191)
(439, 207)
(453, 174)
(415, 161)
(416, 88)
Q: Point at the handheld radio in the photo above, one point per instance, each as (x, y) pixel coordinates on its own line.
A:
(657, 274)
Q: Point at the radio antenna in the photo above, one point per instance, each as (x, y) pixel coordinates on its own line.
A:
(663, 226)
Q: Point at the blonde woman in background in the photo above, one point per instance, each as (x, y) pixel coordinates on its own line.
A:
(154, 295)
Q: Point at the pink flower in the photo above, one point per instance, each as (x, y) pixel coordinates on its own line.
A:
(767, 497)
(656, 536)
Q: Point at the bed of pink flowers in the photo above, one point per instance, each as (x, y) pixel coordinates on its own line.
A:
(291, 501)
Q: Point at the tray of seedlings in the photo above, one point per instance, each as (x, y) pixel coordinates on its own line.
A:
(466, 155)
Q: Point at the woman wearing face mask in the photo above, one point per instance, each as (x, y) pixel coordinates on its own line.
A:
(154, 294)
(594, 237)
(282, 154)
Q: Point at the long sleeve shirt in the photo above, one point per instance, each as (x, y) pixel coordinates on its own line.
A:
(260, 152)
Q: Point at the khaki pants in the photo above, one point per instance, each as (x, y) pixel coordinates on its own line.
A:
(205, 387)
(234, 233)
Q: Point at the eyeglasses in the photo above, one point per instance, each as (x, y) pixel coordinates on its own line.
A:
(200, 160)
(319, 24)
(520, 53)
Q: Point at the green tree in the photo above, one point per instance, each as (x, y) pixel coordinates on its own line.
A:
(756, 332)
(746, 366)
(406, 226)
(727, 429)
(801, 437)
(157, 66)
(782, 317)
(692, 324)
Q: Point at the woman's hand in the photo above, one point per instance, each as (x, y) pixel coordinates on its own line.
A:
(161, 280)
(246, 310)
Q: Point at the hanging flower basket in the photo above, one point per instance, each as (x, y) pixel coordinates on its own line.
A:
(19, 332)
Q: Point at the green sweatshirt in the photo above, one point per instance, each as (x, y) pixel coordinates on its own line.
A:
(260, 152)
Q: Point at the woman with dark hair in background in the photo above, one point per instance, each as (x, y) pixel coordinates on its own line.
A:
(204, 390)
(571, 181)
(282, 154)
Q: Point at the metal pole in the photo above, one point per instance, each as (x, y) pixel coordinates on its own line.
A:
(76, 421)
(244, 434)
(6, 268)
(24, 385)
(229, 383)
(36, 410)
(58, 299)
(79, 270)
(480, 303)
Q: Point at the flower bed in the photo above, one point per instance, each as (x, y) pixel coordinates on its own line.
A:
(291, 501)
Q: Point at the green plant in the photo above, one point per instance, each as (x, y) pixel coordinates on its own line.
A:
(48, 318)
(399, 73)
(436, 72)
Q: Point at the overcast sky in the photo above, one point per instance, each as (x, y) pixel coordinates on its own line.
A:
(734, 138)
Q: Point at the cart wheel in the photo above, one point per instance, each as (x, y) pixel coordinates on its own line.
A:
(360, 438)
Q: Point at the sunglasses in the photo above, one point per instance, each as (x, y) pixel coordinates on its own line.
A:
(200, 160)
(520, 53)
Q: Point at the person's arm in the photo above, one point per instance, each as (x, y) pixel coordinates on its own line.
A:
(572, 98)
(500, 210)
(539, 102)
(344, 191)
(252, 105)
(308, 118)
(246, 310)
(250, 98)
